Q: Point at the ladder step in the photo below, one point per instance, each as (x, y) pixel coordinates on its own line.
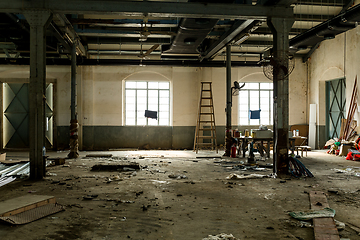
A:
(206, 113)
(206, 137)
(206, 105)
(206, 121)
(206, 144)
(206, 98)
(206, 129)
(206, 90)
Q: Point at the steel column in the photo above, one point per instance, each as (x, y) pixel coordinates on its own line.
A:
(74, 126)
(228, 100)
(38, 21)
(280, 28)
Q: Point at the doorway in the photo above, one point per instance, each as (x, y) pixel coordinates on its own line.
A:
(335, 106)
(16, 115)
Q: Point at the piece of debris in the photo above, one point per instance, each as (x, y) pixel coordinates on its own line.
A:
(28, 208)
(234, 176)
(145, 208)
(90, 197)
(99, 156)
(115, 167)
(57, 161)
(221, 236)
(178, 176)
(307, 215)
(339, 225)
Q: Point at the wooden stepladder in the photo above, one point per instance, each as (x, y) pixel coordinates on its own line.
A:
(205, 133)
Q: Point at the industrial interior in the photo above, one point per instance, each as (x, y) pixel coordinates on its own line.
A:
(179, 119)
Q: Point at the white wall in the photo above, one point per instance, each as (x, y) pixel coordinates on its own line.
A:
(336, 58)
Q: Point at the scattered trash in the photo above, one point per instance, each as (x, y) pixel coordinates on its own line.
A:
(305, 224)
(90, 197)
(307, 215)
(339, 225)
(221, 236)
(160, 182)
(352, 171)
(234, 176)
(99, 156)
(178, 176)
(298, 169)
(116, 167)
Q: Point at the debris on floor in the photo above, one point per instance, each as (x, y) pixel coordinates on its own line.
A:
(9, 173)
(298, 169)
(307, 215)
(352, 171)
(339, 225)
(98, 156)
(354, 227)
(177, 176)
(234, 176)
(221, 236)
(116, 167)
(28, 208)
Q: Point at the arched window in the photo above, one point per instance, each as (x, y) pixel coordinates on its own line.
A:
(150, 96)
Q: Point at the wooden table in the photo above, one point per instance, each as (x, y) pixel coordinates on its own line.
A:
(243, 141)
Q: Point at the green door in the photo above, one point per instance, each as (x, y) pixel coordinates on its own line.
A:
(335, 106)
(16, 115)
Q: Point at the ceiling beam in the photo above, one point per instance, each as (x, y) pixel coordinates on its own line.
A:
(152, 9)
(68, 32)
(126, 40)
(312, 50)
(347, 5)
(226, 38)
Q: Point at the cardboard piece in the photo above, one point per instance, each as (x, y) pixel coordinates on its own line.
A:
(28, 208)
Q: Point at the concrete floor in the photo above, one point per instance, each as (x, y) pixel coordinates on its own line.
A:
(149, 204)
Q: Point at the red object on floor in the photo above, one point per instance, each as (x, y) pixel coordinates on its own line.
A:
(349, 156)
(233, 151)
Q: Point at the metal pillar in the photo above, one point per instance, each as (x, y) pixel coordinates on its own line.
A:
(228, 101)
(74, 126)
(280, 28)
(38, 21)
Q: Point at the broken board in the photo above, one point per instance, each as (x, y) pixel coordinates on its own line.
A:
(324, 228)
(28, 208)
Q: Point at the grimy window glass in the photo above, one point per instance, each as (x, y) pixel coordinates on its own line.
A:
(256, 96)
(147, 95)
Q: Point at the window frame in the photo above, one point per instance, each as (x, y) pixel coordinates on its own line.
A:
(261, 92)
(147, 89)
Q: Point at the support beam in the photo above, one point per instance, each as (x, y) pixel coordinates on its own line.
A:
(280, 28)
(228, 101)
(69, 32)
(38, 21)
(236, 29)
(152, 8)
(74, 126)
(312, 50)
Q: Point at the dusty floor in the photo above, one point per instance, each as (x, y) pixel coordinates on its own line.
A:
(149, 204)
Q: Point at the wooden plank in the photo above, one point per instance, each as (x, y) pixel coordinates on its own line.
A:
(324, 228)
(24, 203)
